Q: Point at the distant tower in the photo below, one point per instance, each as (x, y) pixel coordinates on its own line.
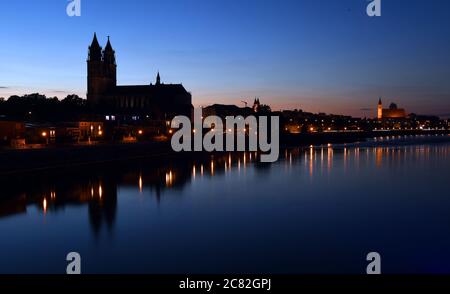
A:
(109, 66)
(256, 105)
(158, 79)
(102, 71)
(380, 109)
(95, 72)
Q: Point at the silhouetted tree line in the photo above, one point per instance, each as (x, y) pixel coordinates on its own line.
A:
(37, 107)
(265, 109)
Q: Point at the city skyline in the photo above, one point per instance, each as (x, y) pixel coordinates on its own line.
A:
(217, 144)
(285, 54)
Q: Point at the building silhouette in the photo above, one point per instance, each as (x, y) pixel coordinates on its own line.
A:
(158, 101)
(256, 105)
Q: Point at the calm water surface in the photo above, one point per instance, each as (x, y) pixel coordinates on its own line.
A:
(317, 210)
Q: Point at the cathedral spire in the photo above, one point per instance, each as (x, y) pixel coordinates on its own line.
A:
(95, 51)
(158, 79)
(109, 54)
(95, 43)
(108, 46)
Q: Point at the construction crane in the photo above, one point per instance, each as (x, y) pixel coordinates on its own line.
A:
(245, 102)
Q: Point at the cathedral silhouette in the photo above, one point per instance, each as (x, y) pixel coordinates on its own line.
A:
(159, 101)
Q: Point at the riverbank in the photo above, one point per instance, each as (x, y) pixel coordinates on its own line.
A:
(306, 139)
(14, 162)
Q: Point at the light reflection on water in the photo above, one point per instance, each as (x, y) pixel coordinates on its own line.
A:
(319, 209)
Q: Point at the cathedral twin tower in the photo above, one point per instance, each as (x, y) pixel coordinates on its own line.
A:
(159, 101)
(102, 71)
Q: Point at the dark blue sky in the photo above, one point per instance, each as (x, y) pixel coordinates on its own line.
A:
(318, 55)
